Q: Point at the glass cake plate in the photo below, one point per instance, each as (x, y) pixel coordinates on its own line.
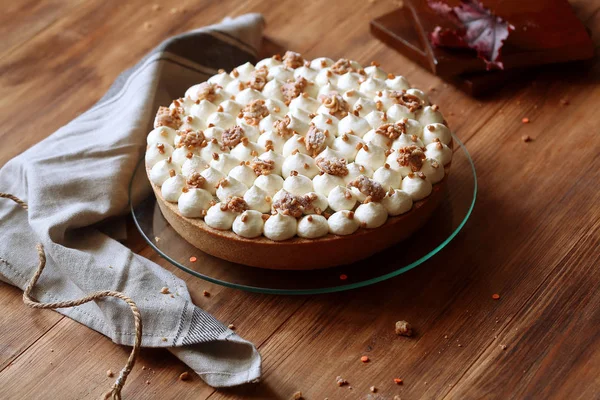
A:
(442, 227)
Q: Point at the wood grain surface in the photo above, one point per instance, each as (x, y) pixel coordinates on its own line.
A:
(534, 236)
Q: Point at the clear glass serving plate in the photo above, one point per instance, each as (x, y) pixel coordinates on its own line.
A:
(442, 227)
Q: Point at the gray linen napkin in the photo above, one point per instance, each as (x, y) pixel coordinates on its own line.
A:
(79, 176)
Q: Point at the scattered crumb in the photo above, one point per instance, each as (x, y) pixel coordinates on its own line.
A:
(164, 339)
(51, 350)
(525, 120)
(445, 336)
(396, 397)
(403, 328)
(340, 381)
(110, 266)
(193, 259)
(147, 25)
(503, 346)
(147, 382)
(364, 359)
(110, 374)
(205, 293)
(459, 345)
(495, 296)
(231, 326)
(164, 290)
(526, 138)
(185, 376)
(373, 389)
(156, 239)
(398, 381)
(343, 277)
(565, 102)
(143, 367)
(155, 7)
(297, 396)
(172, 296)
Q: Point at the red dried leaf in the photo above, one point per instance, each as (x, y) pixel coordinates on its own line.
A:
(477, 28)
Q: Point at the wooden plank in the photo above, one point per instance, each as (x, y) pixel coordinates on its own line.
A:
(20, 326)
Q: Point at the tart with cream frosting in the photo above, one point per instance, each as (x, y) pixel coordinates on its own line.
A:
(291, 155)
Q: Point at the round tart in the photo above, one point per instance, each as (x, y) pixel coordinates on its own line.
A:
(298, 164)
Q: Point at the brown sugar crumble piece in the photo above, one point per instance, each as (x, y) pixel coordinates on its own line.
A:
(391, 131)
(332, 166)
(292, 59)
(231, 326)
(526, 138)
(315, 140)
(110, 374)
(335, 104)
(290, 204)
(233, 136)
(262, 167)
(190, 138)
(342, 66)
(373, 389)
(293, 89)
(282, 127)
(255, 111)
(258, 78)
(196, 180)
(205, 293)
(368, 187)
(237, 205)
(165, 290)
(403, 328)
(169, 117)
(341, 381)
(411, 156)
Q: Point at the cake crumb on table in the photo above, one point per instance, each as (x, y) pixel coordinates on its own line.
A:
(403, 328)
(205, 293)
(396, 397)
(365, 359)
(526, 138)
(341, 381)
(231, 326)
(503, 346)
(373, 389)
(110, 374)
(164, 339)
(164, 290)
(297, 396)
(398, 381)
(185, 376)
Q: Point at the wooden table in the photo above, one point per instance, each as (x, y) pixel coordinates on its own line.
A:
(534, 237)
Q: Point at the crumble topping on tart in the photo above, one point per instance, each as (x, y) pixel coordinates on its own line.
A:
(291, 147)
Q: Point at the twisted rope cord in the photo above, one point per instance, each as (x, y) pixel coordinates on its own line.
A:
(115, 392)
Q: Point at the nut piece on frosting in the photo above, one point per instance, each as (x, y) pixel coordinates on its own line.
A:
(292, 59)
(196, 180)
(204, 91)
(233, 136)
(168, 117)
(293, 89)
(255, 111)
(410, 101)
(342, 66)
(190, 138)
(370, 188)
(391, 131)
(282, 127)
(411, 156)
(335, 103)
(289, 204)
(262, 167)
(258, 78)
(235, 204)
(332, 166)
(315, 140)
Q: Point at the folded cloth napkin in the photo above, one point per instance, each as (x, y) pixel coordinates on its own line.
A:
(79, 176)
